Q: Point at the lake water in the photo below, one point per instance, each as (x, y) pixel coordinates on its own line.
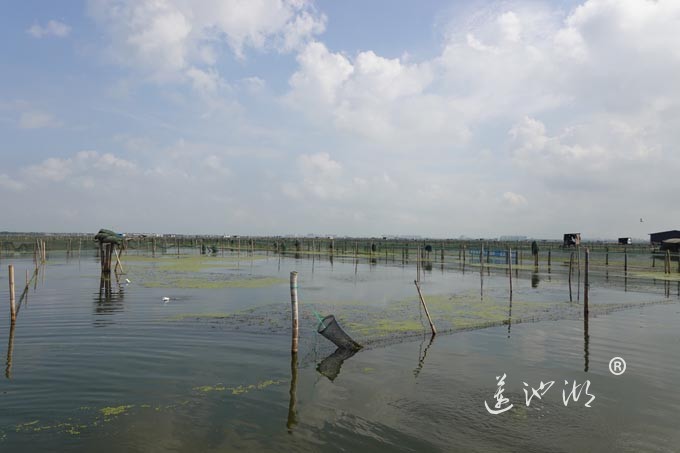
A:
(210, 369)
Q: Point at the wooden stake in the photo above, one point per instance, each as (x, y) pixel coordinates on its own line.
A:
(422, 301)
(625, 260)
(12, 305)
(294, 309)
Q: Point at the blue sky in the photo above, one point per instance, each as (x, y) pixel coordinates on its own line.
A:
(436, 118)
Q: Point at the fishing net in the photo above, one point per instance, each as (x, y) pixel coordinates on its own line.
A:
(329, 328)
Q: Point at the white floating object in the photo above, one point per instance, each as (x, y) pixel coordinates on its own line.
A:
(127, 280)
(166, 299)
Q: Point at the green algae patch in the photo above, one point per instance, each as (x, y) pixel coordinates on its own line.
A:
(112, 411)
(239, 390)
(28, 426)
(674, 277)
(213, 283)
(185, 316)
(194, 264)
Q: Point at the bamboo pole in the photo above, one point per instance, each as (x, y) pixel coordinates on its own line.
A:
(578, 272)
(294, 309)
(606, 256)
(118, 263)
(571, 265)
(586, 284)
(12, 304)
(549, 259)
(427, 313)
(510, 269)
(625, 260)
(418, 266)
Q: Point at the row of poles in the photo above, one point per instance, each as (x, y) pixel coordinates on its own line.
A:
(40, 258)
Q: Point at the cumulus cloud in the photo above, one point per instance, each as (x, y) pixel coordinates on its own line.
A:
(378, 98)
(52, 28)
(173, 39)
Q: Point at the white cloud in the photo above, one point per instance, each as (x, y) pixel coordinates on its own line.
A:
(52, 28)
(78, 169)
(322, 176)
(36, 120)
(170, 40)
(515, 200)
(8, 183)
(206, 82)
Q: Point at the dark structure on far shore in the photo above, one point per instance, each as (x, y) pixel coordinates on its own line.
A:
(658, 238)
(571, 240)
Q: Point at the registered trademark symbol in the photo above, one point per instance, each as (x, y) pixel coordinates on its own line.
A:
(617, 366)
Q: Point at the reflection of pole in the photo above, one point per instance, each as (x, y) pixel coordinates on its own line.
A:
(10, 350)
(434, 331)
(294, 308)
(421, 358)
(586, 339)
(292, 410)
(509, 316)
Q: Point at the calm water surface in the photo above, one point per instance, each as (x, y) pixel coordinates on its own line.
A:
(86, 372)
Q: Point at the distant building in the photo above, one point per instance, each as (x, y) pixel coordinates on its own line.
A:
(513, 238)
(625, 241)
(658, 238)
(571, 239)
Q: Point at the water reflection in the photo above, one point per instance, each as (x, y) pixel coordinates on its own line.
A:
(509, 315)
(107, 301)
(330, 366)
(292, 404)
(586, 340)
(10, 351)
(422, 354)
(535, 279)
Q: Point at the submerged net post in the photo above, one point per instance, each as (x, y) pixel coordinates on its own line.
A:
(294, 310)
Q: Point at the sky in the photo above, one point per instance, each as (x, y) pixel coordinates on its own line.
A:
(362, 118)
